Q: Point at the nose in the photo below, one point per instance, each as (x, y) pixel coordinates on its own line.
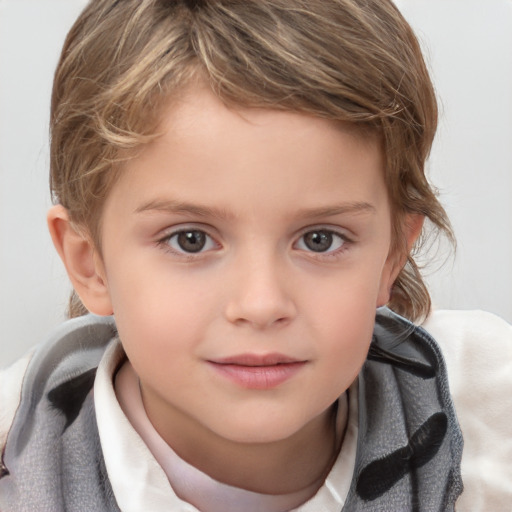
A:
(261, 293)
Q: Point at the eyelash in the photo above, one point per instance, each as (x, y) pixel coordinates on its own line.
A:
(344, 243)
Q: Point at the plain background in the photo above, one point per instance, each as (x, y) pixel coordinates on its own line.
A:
(467, 44)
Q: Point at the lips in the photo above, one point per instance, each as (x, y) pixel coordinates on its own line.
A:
(254, 371)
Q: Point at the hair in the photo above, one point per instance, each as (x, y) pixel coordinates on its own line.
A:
(356, 62)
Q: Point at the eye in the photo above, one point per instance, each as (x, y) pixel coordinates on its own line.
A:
(190, 241)
(321, 240)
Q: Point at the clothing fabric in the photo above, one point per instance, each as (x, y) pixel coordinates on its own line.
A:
(477, 347)
(412, 434)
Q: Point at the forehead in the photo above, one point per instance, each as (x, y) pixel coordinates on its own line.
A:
(212, 153)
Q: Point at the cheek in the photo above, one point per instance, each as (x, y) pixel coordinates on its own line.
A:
(343, 318)
(160, 314)
(348, 296)
(347, 326)
(344, 348)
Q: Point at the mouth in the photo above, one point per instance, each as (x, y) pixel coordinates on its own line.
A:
(254, 371)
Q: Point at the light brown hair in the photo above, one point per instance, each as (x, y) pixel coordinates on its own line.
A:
(352, 61)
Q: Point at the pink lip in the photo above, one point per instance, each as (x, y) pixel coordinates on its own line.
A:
(254, 371)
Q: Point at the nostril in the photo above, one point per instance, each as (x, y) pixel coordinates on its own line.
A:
(259, 317)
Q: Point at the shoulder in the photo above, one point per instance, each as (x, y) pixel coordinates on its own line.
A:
(73, 349)
(468, 326)
(477, 348)
(11, 380)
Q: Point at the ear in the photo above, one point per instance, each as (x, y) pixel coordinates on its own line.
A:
(413, 224)
(82, 261)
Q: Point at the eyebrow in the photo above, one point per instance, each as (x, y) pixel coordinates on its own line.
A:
(339, 209)
(185, 208)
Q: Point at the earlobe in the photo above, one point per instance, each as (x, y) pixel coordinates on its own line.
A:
(82, 262)
(412, 226)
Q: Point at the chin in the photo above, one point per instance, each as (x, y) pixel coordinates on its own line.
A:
(270, 430)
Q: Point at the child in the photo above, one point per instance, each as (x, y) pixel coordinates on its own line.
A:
(239, 188)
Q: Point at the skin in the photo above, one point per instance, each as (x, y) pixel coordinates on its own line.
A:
(256, 183)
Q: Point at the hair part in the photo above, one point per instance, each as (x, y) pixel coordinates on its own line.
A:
(351, 61)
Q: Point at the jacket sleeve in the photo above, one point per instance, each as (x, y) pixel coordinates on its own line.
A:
(477, 347)
(11, 380)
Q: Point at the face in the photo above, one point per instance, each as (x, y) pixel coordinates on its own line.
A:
(244, 254)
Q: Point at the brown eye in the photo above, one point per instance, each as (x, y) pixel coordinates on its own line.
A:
(190, 241)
